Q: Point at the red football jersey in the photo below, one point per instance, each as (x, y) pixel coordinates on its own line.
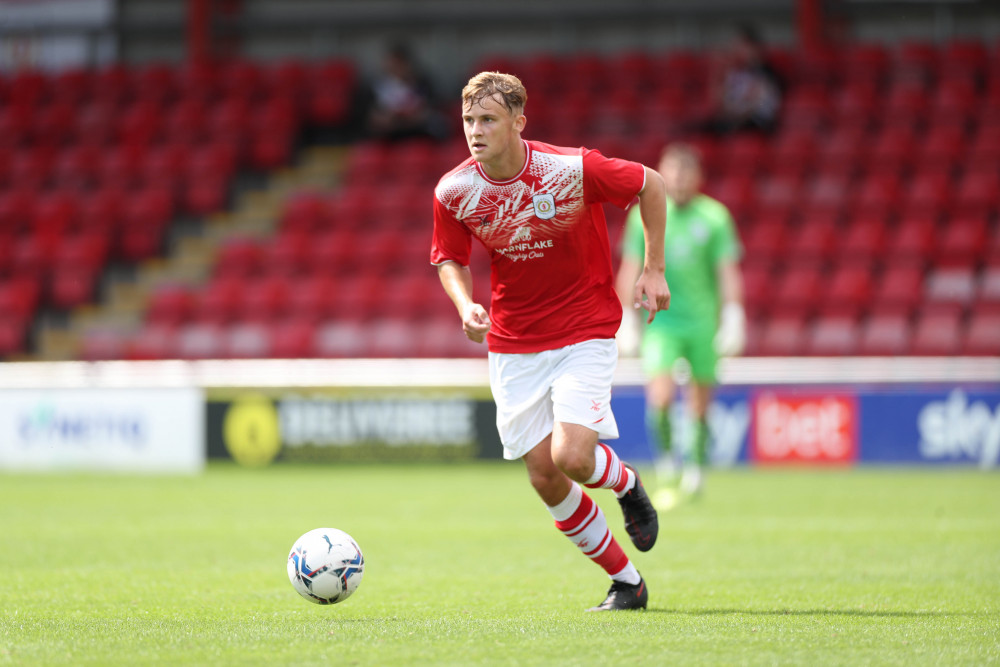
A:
(551, 273)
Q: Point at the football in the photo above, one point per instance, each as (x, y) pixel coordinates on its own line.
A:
(325, 565)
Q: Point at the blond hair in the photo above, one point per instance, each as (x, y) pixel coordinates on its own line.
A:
(507, 87)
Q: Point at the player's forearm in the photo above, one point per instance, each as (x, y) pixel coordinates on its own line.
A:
(457, 282)
(730, 283)
(628, 273)
(653, 208)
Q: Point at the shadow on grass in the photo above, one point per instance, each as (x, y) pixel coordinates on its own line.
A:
(809, 612)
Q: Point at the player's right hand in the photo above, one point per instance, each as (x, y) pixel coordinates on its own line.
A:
(476, 322)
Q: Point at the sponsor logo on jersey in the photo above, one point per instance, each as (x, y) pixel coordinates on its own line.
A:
(545, 205)
(521, 234)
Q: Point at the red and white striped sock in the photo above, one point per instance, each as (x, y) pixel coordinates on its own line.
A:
(582, 521)
(610, 472)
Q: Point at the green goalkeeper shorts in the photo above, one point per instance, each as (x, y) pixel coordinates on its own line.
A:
(661, 350)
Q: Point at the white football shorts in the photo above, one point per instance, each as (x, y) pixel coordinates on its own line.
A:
(570, 384)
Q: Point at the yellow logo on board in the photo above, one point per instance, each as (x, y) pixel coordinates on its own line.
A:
(251, 431)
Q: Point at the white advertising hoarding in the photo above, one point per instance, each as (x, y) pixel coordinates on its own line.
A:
(127, 430)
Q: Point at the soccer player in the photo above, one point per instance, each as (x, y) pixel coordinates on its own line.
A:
(706, 317)
(553, 311)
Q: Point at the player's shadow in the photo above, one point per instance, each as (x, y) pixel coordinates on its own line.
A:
(808, 612)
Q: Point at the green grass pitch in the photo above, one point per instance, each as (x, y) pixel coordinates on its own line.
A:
(463, 566)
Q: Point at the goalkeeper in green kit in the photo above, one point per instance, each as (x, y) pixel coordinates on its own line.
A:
(705, 320)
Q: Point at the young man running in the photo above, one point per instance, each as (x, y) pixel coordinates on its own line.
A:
(706, 320)
(553, 312)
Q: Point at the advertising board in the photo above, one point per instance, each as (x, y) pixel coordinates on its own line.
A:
(135, 430)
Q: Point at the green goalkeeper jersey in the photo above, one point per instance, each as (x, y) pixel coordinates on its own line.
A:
(699, 236)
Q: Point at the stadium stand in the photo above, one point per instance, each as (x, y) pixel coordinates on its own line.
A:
(871, 218)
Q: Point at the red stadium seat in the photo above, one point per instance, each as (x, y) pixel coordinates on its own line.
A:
(954, 103)
(877, 196)
(200, 341)
(783, 336)
(154, 84)
(961, 241)
(799, 291)
(915, 61)
(978, 193)
(950, 286)
(220, 300)
(101, 211)
(76, 167)
(19, 299)
(737, 192)
(333, 253)
(813, 242)
(930, 192)
(865, 64)
(842, 153)
(899, 290)
(766, 241)
(242, 79)
(893, 149)
(850, 290)
(53, 124)
(103, 345)
(313, 298)
(96, 124)
(72, 87)
(913, 240)
(855, 105)
(807, 108)
(885, 334)
(833, 336)
(864, 239)
(70, 286)
(140, 124)
(154, 341)
(287, 254)
(963, 58)
(84, 252)
(988, 291)
(32, 168)
(56, 213)
(13, 336)
(265, 299)
(304, 212)
(239, 258)
(938, 335)
(171, 306)
(186, 121)
(793, 152)
(247, 340)
(340, 339)
(15, 127)
(16, 210)
(984, 149)
(293, 339)
(982, 337)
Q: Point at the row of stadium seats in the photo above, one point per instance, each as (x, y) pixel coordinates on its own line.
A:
(440, 336)
(870, 218)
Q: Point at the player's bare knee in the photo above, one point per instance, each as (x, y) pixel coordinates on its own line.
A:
(576, 464)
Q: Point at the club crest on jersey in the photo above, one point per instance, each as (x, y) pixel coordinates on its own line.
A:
(545, 205)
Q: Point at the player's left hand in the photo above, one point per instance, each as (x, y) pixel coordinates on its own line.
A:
(651, 293)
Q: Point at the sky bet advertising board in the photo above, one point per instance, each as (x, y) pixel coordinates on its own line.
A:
(834, 426)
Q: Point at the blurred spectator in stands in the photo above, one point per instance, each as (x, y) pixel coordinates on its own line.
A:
(746, 90)
(402, 103)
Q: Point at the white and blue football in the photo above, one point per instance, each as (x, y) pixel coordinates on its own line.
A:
(325, 565)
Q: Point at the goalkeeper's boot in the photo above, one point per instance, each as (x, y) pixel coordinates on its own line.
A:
(641, 522)
(624, 596)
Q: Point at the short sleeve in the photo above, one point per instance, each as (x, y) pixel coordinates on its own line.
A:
(727, 247)
(452, 241)
(633, 240)
(610, 180)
